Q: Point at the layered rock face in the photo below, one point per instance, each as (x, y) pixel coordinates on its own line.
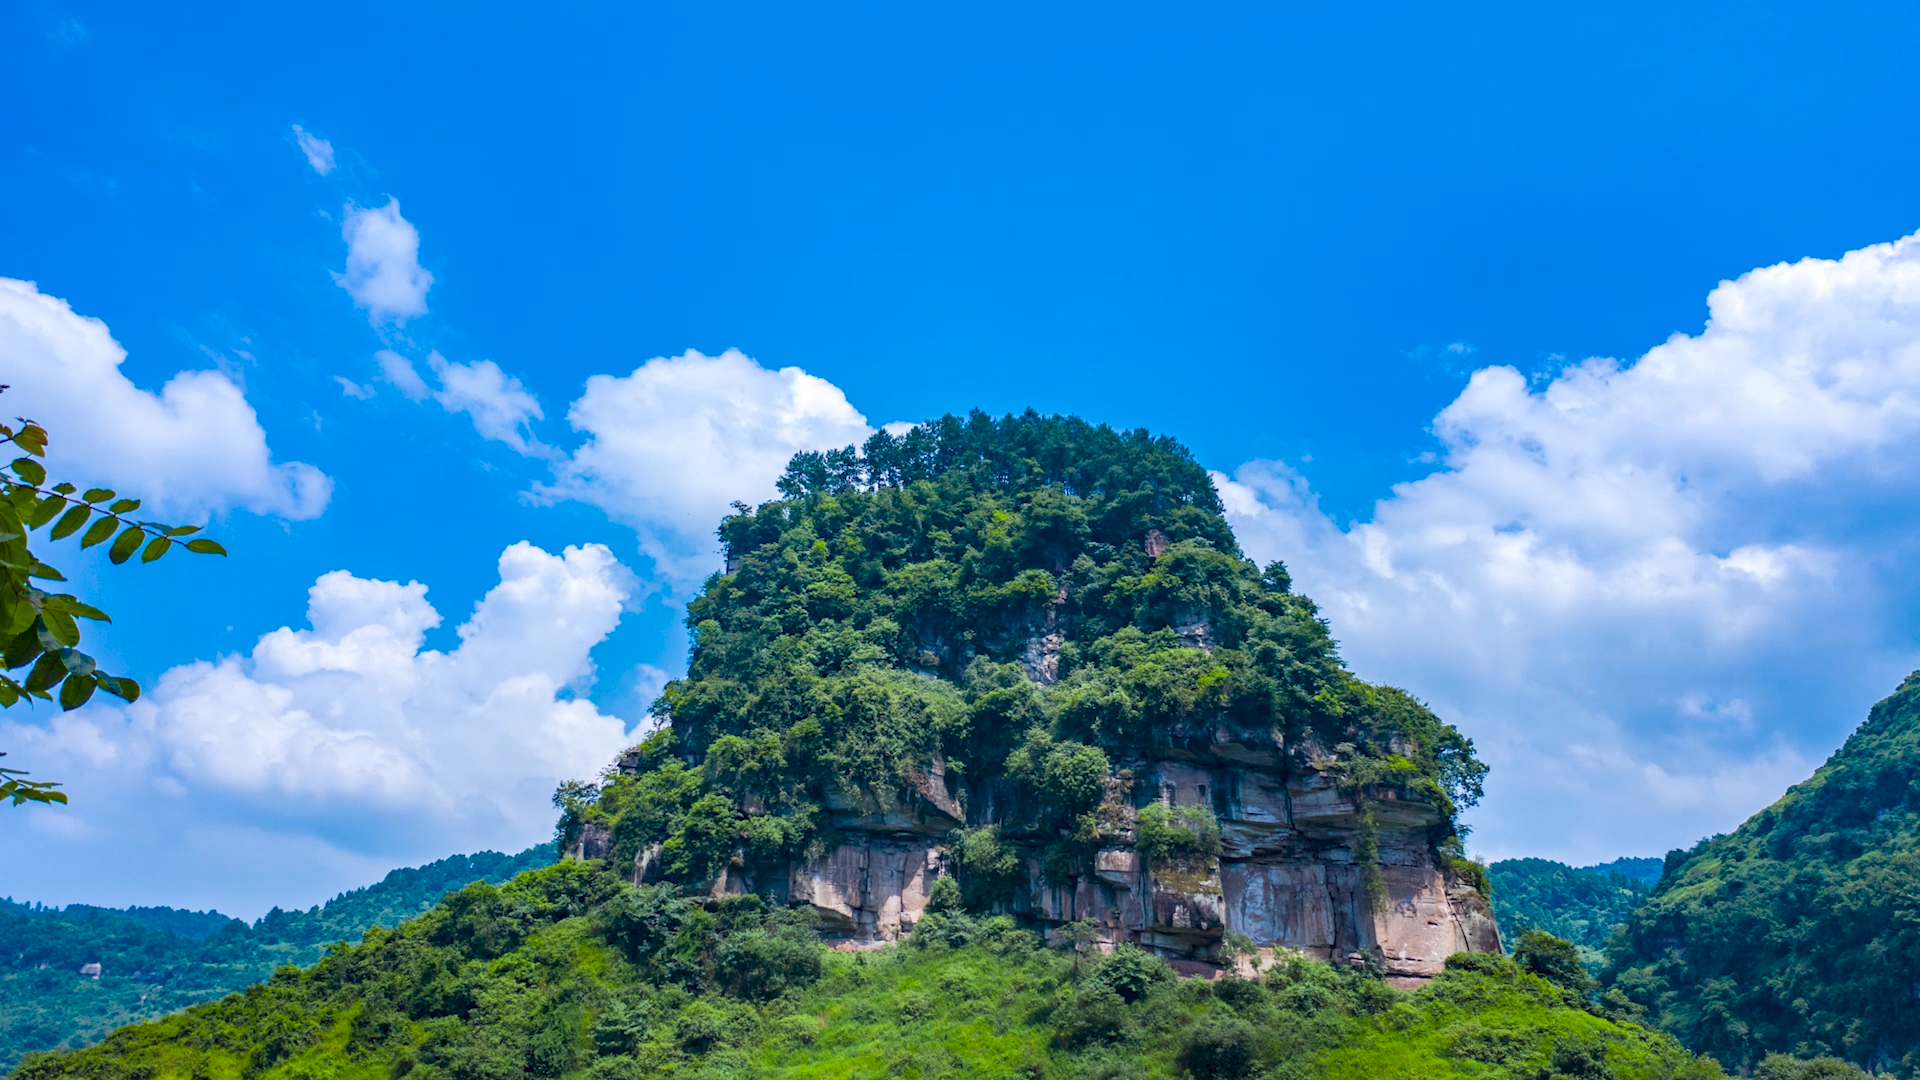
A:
(1287, 874)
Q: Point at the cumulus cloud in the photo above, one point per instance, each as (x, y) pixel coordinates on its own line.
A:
(1658, 592)
(671, 445)
(501, 407)
(345, 744)
(194, 447)
(383, 273)
(319, 151)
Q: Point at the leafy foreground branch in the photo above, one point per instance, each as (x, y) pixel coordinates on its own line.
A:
(40, 628)
(569, 972)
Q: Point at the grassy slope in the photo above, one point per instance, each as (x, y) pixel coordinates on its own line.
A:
(541, 978)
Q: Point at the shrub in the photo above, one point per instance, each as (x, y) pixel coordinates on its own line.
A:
(1129, 972)
(988, 865)
(704, 843)
(1092, 1013)
(1068, 777)
(758, 965)
(1177, 832)
(1581, 1058)
(1479, 963)
(1554, 959)
(643, 919)
(1220, 1048)
(943, 897)
(1782, 1067)
(618, 1029)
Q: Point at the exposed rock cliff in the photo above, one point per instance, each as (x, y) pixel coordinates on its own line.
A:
(1287, 875)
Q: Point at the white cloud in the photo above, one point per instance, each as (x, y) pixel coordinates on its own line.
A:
(319, 151)
(383, 273)
(671, 445)
(194, 447)
(399, 371)
(1656, 593)
(501, 407)
(347, 745)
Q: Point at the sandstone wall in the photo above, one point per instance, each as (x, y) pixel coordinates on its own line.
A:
(1286, 876)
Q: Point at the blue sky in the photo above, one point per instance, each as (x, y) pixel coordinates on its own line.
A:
(1288, 237)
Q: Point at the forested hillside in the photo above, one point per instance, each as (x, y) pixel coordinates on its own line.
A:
(1800, 931)
(155, 960)
(1583, 905)
(571, 972)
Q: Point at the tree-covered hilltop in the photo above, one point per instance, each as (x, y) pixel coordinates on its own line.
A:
(1800, 931)
(571, 972)
(156, 960)
(1582, 905)
(1003, 616)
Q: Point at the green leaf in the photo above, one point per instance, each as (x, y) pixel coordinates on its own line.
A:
(62, 627)
(49, 670)
(95, 495)
(42, 570)
(183, 530)
(29, 470)
(125, 689)
(21, 620)
(72, 605)
(46, 510)
(9, 693)
(76, 690)
(126, 544)
(22, 649)
(155, 548)
(124, 506)
(32, 438)
(204, 546)
(64, 488)
(99, 531)
(70, 522)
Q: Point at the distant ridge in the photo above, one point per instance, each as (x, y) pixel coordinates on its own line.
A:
(1583, 904)
(1647, 869)
(157, 960)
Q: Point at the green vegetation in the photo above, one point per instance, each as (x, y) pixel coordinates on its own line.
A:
(156, 960)
(570, 972)
(996, 617)
(1584, 906)
(987, 624)
(1799, 933)
(38, 629)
